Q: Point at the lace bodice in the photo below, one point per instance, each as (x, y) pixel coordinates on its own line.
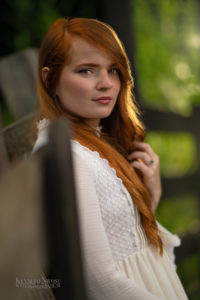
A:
(119, 215)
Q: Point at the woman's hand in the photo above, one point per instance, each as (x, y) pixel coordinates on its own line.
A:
(145, 160)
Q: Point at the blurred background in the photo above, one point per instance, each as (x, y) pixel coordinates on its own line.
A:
(162, 39)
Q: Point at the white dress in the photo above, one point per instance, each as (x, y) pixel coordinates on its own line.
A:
(119, 262)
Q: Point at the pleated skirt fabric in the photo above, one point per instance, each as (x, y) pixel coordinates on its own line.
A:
(153, 272)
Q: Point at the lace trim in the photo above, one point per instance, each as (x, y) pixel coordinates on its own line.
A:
(105, 161)
(98, 130)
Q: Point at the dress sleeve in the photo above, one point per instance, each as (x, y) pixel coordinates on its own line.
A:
(170, 241)
(103, 280)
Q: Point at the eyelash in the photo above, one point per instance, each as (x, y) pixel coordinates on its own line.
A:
(114, 71)
(85, 71)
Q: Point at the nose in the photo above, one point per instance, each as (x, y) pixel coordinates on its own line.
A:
(104, 81)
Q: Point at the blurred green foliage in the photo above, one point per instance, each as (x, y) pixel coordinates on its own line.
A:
(185, 206)
(177, 152)
(24, 22)
(190, 273)
(167, 53)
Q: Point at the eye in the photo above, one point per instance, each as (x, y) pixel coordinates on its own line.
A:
(114, 71)
(86, 71)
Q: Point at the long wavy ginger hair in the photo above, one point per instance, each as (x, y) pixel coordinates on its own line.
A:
(121, 128)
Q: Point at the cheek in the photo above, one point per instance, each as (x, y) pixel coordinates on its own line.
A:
(73, 86)
(118, 87)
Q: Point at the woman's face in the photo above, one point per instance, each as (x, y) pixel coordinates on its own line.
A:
(89, 84)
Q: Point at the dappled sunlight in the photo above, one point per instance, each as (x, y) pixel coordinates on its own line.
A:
(174, 98)
(182, 70)
(194, 41)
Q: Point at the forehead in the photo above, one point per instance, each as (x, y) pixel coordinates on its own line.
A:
(81, 51)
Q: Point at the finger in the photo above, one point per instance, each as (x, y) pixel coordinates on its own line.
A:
(142, 167)
(140, 155)
(144, 147)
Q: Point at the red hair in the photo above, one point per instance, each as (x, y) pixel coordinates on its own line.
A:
(120, 128)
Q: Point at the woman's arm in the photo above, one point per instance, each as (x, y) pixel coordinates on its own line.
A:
(103, 281)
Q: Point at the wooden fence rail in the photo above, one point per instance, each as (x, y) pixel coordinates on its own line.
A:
(39, 218)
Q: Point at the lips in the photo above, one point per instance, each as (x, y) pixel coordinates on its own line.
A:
(103, 100)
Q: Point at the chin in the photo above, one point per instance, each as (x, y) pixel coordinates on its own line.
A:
(99, 115)
(105, 114)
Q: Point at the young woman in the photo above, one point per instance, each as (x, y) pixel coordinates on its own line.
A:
(84, 75)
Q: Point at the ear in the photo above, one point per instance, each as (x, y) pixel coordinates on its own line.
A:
(44, 74)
